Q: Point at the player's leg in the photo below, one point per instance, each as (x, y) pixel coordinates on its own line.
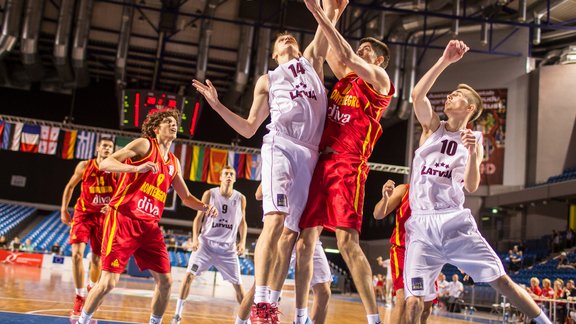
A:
(239, 289)
(107, 282)
(95, 270)
(305, 264)
(399, 308)
(78, 276)
(322, 295)
(245, 305)
(285, 247)
(161, 295)
(349, 246)
(520, 298)
(414, 309)
(226, 262)
(426, 312)
(96, 234)
(396, 268)
(266, 253)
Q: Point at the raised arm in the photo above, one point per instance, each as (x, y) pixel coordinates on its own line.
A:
(475, 155)
(198, 222)
(69, 189)
(188, 199)
(391, 199)
(316, 51)
(258, 112)
(370, 73)
(422, 107)
(137, 148)
(242, 229)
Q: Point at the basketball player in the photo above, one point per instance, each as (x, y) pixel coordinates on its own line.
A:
(295, 98)
(216, 245)
(396, 198)
(440, 229)
(96, 191)
(352, 127)
(131, 225)
(321, 279)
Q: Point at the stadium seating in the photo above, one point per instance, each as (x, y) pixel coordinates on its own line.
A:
(12, 217)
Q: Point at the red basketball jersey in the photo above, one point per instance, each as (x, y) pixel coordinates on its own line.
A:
(143, 195)
(96, 190)
(353, 119)
(403, 212)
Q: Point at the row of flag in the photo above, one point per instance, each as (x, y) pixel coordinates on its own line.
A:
(199, 163)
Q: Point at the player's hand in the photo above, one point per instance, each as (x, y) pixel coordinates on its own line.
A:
(211, 211)
(65, 216)
(147, 166)
(469, 140)
(454, 51)
(240, 248)
(388, 188)
(195, 245)
(208, 91)
(105, 209)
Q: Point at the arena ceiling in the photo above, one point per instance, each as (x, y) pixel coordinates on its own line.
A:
(163, 44)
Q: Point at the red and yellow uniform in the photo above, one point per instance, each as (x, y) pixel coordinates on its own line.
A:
(131, 226)
(351, 130)
(96, 191)
(398, 247)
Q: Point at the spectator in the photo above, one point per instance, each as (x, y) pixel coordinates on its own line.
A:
(188, 245)
(3, 243)
(563, 263)
(570, 238)
(547, 291)
(559, 294)
(570, 289)
(443, 292)
(380, 287)
(455, 290)
(534, 290)
(516, 258)
(56, 248)
(172, 244)
(27, 247)
(15, 244)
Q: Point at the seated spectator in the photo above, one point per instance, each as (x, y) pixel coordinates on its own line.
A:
(27, 247)
(534, 290)
(560, 294)
(443, 292)
(15, 244)
(188, 245)
(455, 290)
(547, 291)
(56, 248)
(3, 243)
(570, 289)
(563, 263)
(172, 244)
(516, 257)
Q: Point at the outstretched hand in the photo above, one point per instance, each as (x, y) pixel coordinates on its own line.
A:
(454, 51)
(208, 91)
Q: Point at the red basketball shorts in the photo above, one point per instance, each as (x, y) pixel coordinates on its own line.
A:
(125, 236)
(336, 196)
(397, 266)
(87, 226)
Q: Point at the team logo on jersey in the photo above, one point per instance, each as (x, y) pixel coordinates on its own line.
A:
(417, 283)
(147, 205)
(337, 116)
(194, 267)
(99, 200)
(437, 172)
(115, 263)
(281, 200)
(170, 169)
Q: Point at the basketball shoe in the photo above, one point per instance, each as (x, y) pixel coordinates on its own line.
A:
(78, 304)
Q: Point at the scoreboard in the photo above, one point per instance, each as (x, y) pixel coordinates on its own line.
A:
(136, 104)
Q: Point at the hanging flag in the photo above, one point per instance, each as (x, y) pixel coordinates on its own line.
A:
(68, 143)
(218, 160)
(199, 165)
(254, 167)
(16, 136)
(48, 139)
(122, 141)
(184, 154)
(237, 161)
(5, 135)
(30, 138)
(85, 145)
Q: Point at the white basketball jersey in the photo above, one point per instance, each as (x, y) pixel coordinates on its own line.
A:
(224, 227)
(298, 102)
(437, 180)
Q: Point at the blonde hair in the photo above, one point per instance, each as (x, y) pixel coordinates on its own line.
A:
(473, 98)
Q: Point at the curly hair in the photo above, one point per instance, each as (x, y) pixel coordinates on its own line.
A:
(154, 118)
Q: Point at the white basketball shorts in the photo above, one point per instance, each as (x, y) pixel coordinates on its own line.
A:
(437, 237)
(321, 272)
(287, 170)
(223, 256)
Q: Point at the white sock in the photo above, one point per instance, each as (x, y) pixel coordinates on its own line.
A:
(542, 319)
(374, 319)
(240, 321)
(261, 294)
(91, 284)
(180, 306)
(275, 296)
(81, 292)
(155, 319)
(84, 318)
(301, 315)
